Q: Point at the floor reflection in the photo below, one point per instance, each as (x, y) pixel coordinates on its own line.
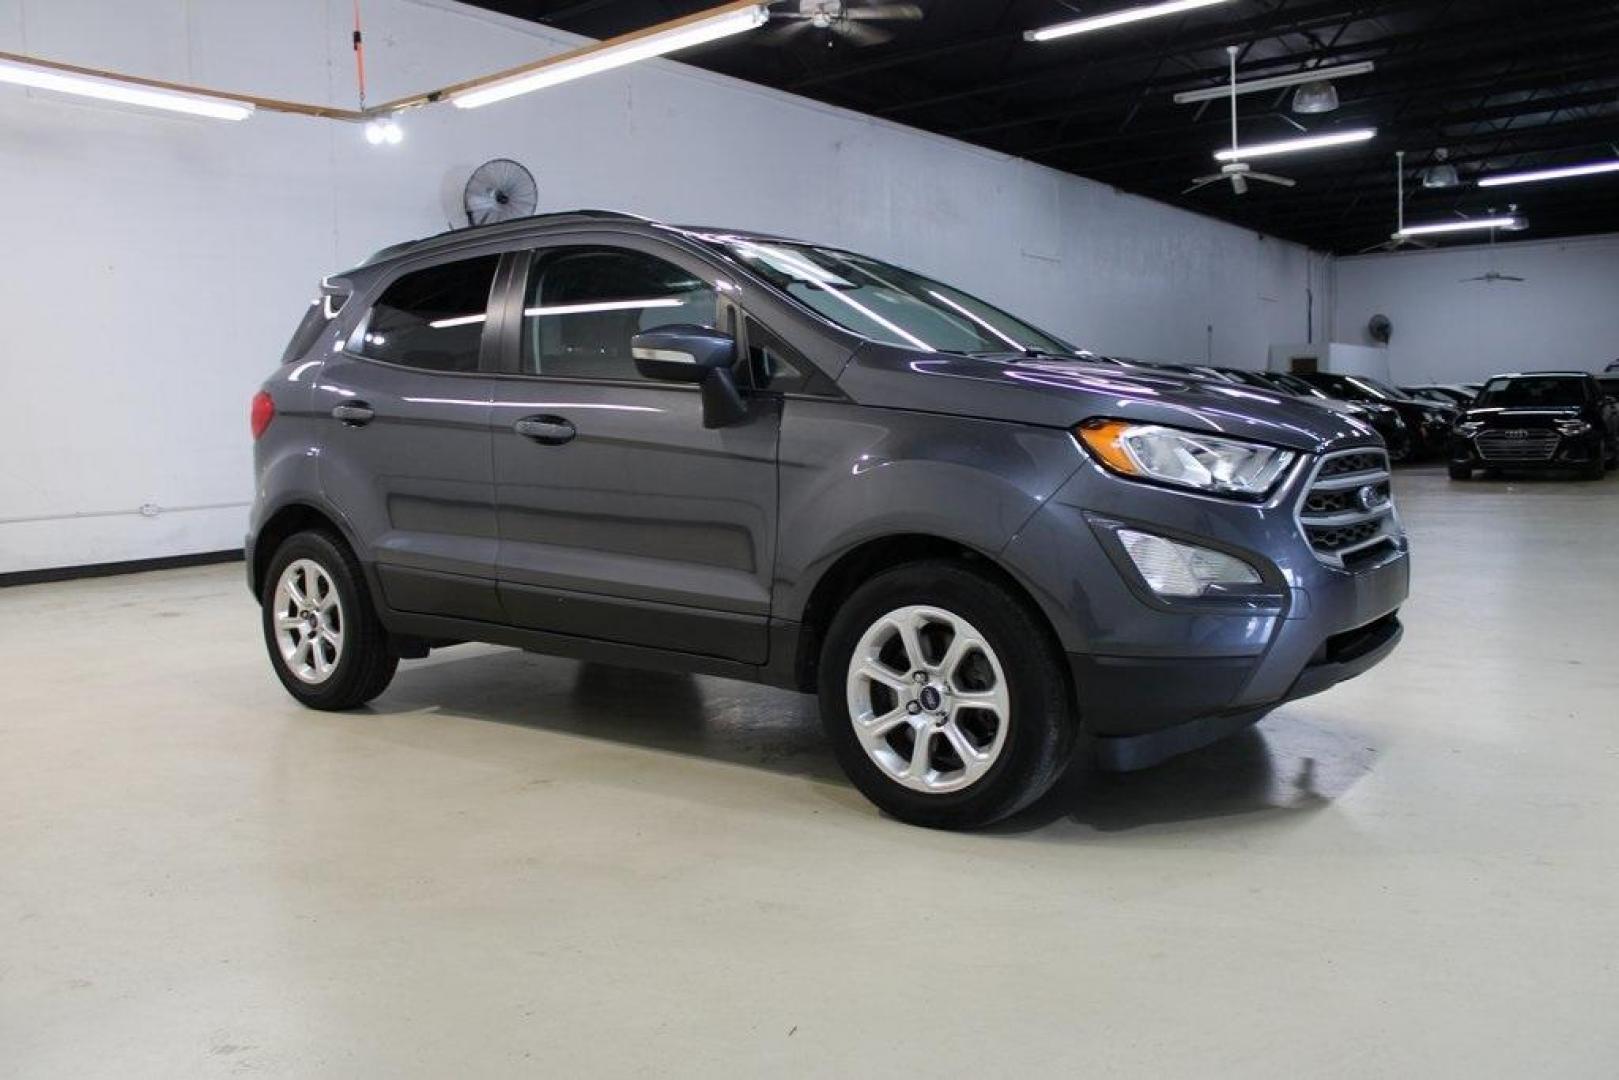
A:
(1286, 763)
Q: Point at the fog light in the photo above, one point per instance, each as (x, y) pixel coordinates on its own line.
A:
(1175, 569)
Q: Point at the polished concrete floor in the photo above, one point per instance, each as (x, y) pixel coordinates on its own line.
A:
(516, 865)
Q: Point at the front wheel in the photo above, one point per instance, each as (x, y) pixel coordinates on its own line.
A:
(944, 697)
(1461, 471)
(325, 641)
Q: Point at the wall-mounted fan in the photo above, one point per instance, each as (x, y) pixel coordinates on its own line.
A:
(839, 20)
(1238, 173)
(1380, 328)
(499, 190)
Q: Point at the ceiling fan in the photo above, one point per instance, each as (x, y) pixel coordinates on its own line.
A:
(1396, 241)
(1492, 275)
(839, 19)
(1238, 173)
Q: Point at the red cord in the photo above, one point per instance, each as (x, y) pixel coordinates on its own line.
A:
(359, 54)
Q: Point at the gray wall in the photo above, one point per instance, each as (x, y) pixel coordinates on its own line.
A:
(158, 264)
(1565, 314)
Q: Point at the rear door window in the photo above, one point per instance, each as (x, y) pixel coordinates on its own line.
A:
(432, 319)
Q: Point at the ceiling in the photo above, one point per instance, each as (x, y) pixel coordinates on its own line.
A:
(1503, 85)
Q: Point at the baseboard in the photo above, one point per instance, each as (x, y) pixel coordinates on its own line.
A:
(108, 569)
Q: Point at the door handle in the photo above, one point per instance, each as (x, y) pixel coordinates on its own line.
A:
(550, 430)
(353, 413)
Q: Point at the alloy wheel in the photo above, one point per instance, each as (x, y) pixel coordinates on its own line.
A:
(308, 616)
(928, 699)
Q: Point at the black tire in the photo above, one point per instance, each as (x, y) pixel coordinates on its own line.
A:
(367, 661)
(1042, 721)
(1461, 471)
(1596, 468)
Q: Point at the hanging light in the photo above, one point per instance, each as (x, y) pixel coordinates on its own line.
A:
(1441, 174)
(1315, 97)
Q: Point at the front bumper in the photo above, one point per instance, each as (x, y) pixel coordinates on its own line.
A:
(1189, 671)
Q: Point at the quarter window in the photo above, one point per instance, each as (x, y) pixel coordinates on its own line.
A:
(432, 319)
(585, 304)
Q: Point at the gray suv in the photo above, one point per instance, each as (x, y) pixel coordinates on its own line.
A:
(597, 436)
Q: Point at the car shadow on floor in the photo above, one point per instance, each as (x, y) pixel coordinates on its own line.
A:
(1285, 764)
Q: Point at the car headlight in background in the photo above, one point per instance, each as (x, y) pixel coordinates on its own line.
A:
(1171, 568)
(1186, 459)
(1572, 427)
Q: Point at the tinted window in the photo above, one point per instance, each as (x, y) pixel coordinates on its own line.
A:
(1552, 393)
(432, 319)
(585, 304)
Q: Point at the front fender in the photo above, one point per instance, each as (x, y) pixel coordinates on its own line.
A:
(850, 475)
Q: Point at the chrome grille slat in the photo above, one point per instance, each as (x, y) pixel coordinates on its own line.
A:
(1529, 445)
(1333, 516)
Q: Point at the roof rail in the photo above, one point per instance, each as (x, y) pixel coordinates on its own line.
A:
(428, 243)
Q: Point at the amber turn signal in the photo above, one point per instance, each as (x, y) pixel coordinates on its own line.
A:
(1103, 438)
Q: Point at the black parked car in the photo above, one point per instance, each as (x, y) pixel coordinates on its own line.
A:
(1442, 394)
(1384, 419)
(1429, 422)
(1539, 420)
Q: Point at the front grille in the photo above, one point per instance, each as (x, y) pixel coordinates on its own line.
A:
(1517, 444)
(1348, 507)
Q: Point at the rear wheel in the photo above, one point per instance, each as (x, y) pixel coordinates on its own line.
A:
(944, 697)
(325, 642)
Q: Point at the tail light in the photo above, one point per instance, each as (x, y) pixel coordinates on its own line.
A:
(262, 412)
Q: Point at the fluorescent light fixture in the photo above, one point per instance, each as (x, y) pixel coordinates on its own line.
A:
(1550, 174)
(1276, 82)
(1293, 146)
(593, 59)
(1464, 226)
(126, 93)
(1116, 18)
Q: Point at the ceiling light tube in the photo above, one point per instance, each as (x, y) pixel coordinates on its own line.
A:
(1276, 82)
(1293, 146)
(606, 55)
(1116, 18)
(1550, 174)
(1464, 226)
(127, 93)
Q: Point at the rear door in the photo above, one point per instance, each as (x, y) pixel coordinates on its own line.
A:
(406, 454)
(621, 517)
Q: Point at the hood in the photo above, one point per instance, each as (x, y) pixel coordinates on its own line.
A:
(1061, 393)
(1524, 412)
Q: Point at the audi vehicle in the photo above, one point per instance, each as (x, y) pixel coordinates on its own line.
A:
(715, 452)
(1538, 420)
(1428, 422)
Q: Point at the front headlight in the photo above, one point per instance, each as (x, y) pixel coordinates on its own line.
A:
(1468, 428)
(1572, 427)
(1187, 459)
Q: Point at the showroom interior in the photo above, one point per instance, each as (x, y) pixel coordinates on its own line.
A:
(1213, 404)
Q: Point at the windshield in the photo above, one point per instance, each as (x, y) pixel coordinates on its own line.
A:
(1295, 385)
(1381, 391)
(887, 303)
(1548, 393)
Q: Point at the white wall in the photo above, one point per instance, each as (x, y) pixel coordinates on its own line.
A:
(155, 266)
(1565, 314)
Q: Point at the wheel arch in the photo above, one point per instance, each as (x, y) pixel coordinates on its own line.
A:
(291, 518)
(873, 556)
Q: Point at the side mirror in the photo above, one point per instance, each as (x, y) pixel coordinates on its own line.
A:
(694, 354)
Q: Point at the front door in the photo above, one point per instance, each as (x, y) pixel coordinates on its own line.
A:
(406, 453)
(621, 517)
